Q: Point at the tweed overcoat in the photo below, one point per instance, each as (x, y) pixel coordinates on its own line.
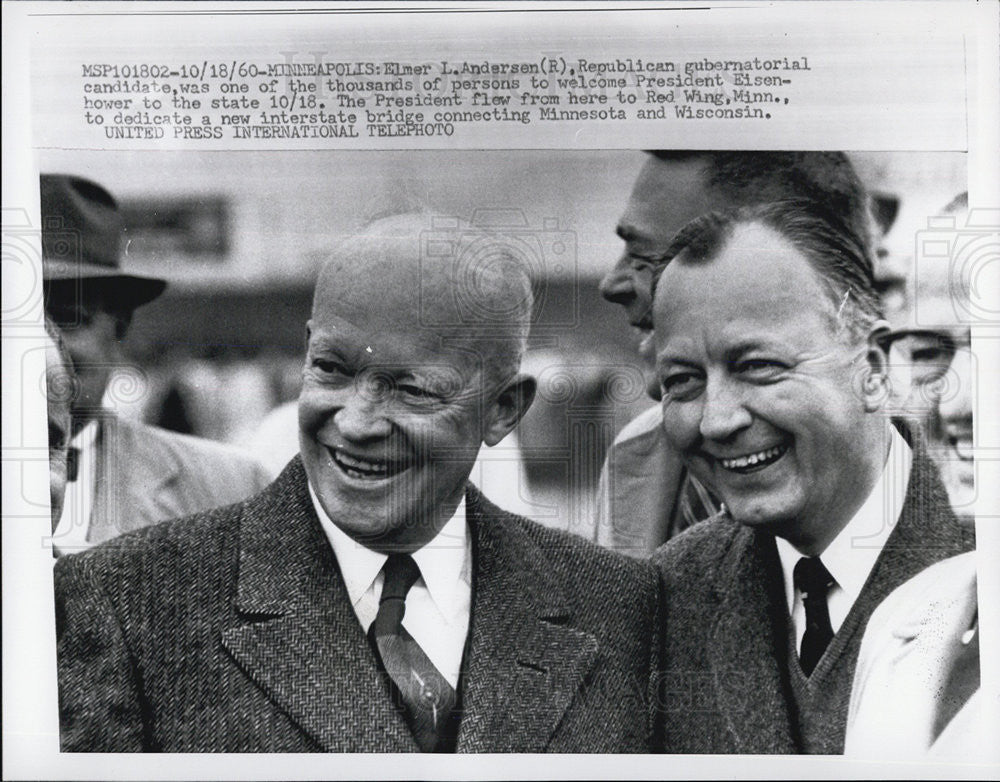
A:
(232, 631)
(146, 475)
(725, 682)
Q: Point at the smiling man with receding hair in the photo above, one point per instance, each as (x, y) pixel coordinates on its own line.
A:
(771, 362)
(371, 599)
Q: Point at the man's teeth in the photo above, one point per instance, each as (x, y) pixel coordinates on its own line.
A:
(361, 468)
(754, 459)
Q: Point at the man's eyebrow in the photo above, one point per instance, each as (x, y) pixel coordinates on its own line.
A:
(668, 357)
(750, 345)
(329, 345)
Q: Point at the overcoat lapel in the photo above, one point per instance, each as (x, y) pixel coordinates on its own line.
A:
(747, 647)
(297, 636)
(927, 532)
(524, 664)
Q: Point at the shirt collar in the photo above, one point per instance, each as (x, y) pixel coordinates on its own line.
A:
(851, 555)
(443, 560)
(86, 437)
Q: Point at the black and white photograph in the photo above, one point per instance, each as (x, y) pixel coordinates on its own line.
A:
(627, 404)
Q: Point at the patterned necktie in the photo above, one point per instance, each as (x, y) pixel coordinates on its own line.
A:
(427, 695)
(813, 580)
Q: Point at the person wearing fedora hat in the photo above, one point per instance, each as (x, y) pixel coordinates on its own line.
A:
(121, 475)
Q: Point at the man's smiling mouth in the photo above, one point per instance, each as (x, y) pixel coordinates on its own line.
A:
(752, 462)
(365, 469)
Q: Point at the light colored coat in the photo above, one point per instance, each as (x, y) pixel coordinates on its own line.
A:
(919, 651)
(146, 475)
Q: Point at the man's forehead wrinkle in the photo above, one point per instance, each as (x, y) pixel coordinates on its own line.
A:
(384, 285)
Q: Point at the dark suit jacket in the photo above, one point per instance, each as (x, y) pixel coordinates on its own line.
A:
(232, 631)
(725, 682)
(146, 475)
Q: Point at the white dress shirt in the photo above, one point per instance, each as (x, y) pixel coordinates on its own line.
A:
(74, 522)
(438, 605)
(851, 555)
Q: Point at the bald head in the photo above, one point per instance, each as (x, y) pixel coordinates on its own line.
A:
(458, 285)
(413, 350)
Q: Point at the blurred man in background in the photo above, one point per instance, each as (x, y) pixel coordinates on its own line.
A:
(931, 361)
(645, 495)
(59, 386)
(916, 689)
(120, 475)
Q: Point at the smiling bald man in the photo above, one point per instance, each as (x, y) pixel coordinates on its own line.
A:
(371, 599)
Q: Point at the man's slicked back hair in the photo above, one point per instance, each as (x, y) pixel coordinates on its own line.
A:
(835, 252)
(826, 179)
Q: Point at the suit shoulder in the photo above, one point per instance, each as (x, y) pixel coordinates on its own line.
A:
(697, 547)
(586, 561)
(647, 423)
(185, 445)
(148, 549)
(201, 457)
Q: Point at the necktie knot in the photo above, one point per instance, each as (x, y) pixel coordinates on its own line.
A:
(812, 578)
(401, 573)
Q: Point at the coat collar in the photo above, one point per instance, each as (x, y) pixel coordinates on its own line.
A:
(299, 640)
(749, 639)
(297, 636)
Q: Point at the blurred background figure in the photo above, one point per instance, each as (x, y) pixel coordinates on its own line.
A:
(916, 693)
(120, 475)
(59, 387)
(931, 362)
(916, 689)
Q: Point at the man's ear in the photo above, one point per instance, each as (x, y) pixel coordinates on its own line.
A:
(508, 408)
(875, 384)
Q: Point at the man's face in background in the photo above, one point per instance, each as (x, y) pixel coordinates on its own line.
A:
(933, 381)
(59, 388)
(666, 196)
(91, 334)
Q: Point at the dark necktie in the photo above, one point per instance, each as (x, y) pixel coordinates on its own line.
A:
(72, 463)
(427, 695)
(813, 580)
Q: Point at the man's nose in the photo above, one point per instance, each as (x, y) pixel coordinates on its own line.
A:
(617, 286)
(362, 416)
(955, 405)
(724, 413)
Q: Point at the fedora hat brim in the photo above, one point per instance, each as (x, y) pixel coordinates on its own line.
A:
(135, 289)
